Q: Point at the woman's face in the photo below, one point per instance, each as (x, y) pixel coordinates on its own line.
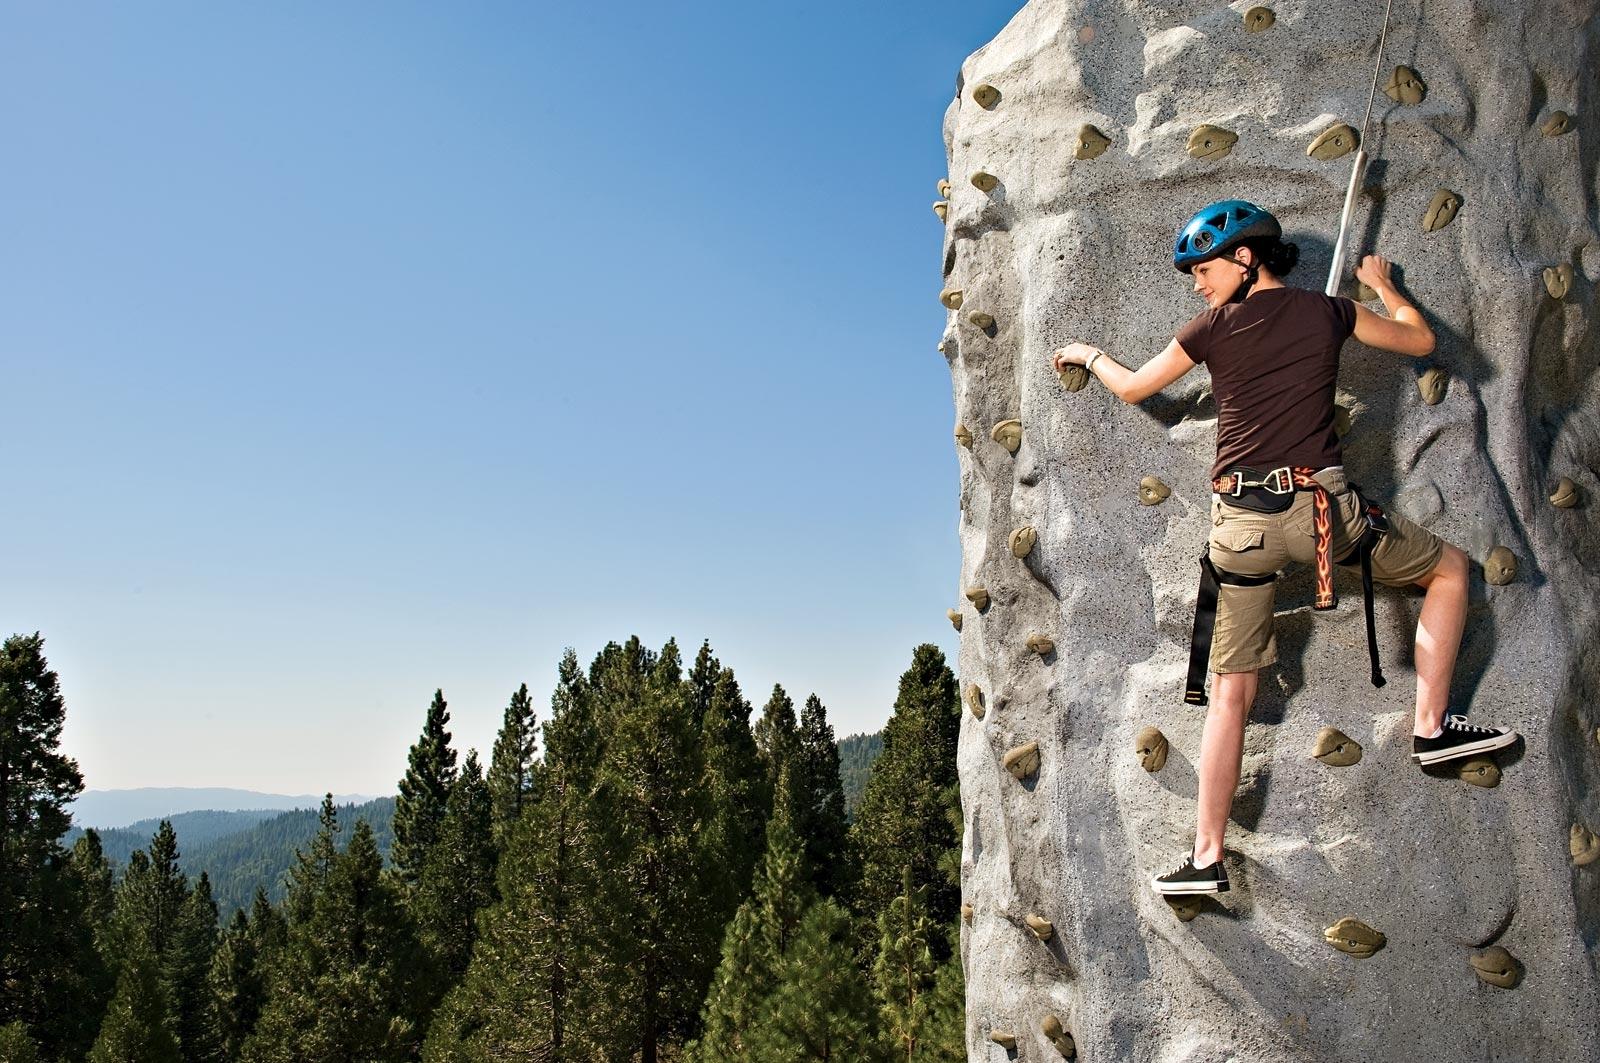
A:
(1219, 278)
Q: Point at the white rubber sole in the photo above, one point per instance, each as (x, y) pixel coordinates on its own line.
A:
(1179, 889)
(1483, 745)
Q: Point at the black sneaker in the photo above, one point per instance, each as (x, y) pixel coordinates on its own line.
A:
(1459, 739)
(1186, 878)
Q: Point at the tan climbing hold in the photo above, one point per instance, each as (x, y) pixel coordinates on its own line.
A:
(1355, 937)
(963, 436)
(966, 912)
(1335, 142)
(1005, 1039)
(942, 208)
(1406, 86)
(1432, 384)
(985, 96)
(1479, 771)
(944, 188)
(981, 320)
(1074, 377)
(1023, 541)
(1584, 846)
(1341, 420)
(1152, 492)
(985, 182)
(1041, 645)
(955, 618)
(1091, 143)
(1558, 280)
(1336, 748)
(1497, 967)
(1566, 495)
(1041, 927)
(1258, 19)
(1441, 210)
(975, 701)
(1364, 293)
(1008, 434)
(1059, 1037)
(1558, 123)
(951, 298)
(1500, 567)
(1023, 761)
(1151, 747)
(979, 597)
(1185, 908)
(1211, 142)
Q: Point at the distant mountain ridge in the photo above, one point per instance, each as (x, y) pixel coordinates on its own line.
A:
(113, 809)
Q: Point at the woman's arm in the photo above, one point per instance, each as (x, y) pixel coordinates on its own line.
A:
(1403, 331)
(1129, 385)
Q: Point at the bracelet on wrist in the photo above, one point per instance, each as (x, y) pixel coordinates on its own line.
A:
(1088, 363)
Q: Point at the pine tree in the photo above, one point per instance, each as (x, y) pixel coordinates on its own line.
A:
(187, 970)
(511, 764)
(137, 1026)
(424, 790)
(821, 802)
(458, 878)
(904, 972)
(821, 1010)
(905, 814)
(15, 1044)
(777, 735)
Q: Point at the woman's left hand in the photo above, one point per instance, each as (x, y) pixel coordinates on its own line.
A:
(1071, 354)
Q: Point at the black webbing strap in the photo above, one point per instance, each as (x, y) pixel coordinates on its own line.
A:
(1205, 623)
(1368, 543)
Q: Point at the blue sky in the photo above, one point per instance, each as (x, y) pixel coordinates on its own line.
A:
(357, 350)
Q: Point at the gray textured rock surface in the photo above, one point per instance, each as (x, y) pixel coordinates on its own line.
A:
(1066, 247)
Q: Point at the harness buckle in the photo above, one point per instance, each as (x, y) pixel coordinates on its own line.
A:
(1279, 481)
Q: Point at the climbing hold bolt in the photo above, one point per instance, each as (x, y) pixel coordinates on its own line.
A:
(1497, 967)
(1151, 746)
(1500, 567)
(1566, 495)
(1479, 771)
(1336, 748)
(1023, 761)
(1211, 142)
(1152, 492)
(985, 96)
(1258, 19)
(1041, 927)
(985, 182)
(1441, 210)
(1355, 937)
(1041, 645)
(1558, 123)
(1406, 86)
(1023, 540)
(1091, 143)
(1432, 384)
(1334, 142)
(1558, 280)
(1059, 1037)
(1008, 434)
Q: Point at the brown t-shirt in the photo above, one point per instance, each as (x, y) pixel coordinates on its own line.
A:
(1273, 359)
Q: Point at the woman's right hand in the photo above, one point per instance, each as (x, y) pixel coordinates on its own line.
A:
(1374, 272)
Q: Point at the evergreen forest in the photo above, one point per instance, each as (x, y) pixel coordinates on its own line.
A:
(655, 871)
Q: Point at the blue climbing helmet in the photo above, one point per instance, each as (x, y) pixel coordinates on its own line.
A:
(1221, 226)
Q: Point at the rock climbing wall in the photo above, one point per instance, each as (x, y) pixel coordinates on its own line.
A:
(1378, 912)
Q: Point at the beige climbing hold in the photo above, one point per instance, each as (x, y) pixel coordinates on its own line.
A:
(1336, 748)
(975, 701)
(1406, 86)
(963, 436)
(1479, 771)
(1004, 1038)
(1355, 937)
(944, 188)
(981, 320)
(1023, 761)
(1558, 280)
(1008, 434)
(1566, 495)
(1152, 492)
(1023, 540)
(1074, 377)
(985, 182)
(1441, 210)
(1585, 847)
(1151, 746)
(1091, 143)
(1497, 967)
(1041, 927)
(1258, 19)
(955, 618)
(1211, 142)
(942, 208)
(1185, 908)
(1432, 384)
(1341, 420)
(979, 597)
(1059, 1037)
(1364, 293)
(1500, 567)
(1558, 123)
(951, 298)
(1041, 645)
(966, 912)
(985, 96)
(1335, 142)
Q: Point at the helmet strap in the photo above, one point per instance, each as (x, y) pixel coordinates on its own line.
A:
(1252, 272)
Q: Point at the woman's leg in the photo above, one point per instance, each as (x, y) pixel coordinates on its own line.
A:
(1444, 616)
(1221, 753)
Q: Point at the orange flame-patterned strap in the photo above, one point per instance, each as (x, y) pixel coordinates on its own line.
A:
(1304, 479)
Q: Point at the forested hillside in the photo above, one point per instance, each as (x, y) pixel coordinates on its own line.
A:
(193, 828)
(649, 875)
(856, 755)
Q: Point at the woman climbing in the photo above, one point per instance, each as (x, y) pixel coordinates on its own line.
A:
(1280, 493)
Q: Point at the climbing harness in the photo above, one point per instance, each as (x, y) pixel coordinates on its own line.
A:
(1273, 492)
(1358, 170)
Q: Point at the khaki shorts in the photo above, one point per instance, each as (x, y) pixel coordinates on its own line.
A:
(1259, 544)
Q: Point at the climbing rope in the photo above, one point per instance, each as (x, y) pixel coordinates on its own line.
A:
(1359, 170)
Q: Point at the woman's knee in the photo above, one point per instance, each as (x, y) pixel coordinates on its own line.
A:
(1453, 565)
